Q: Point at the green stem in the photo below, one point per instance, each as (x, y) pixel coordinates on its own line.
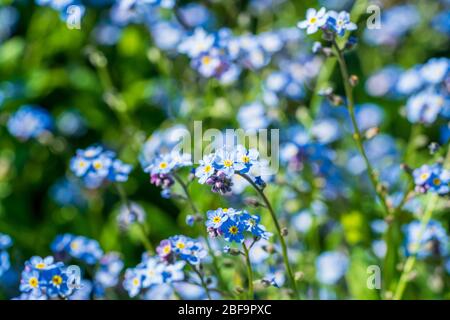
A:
(202, 280)
(357, 133)
(144, 230)
(278, 229)
(249, 271)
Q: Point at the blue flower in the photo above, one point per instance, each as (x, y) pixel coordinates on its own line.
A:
(435, 70)
(31, 282)
(226, 161)
(432, 178)
(57, 283)
(5, 241)
(233, 231)
(216, 218)
(314, 20)
(30, 122)
(331, 266)
(425, 107)
(199, 42)
(173, 272)
(252, 225)
(133, 282)
(340, 22)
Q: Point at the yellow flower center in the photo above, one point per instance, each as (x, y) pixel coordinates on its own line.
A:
(245, 159)
(98, 165)
(40, 265)
(207, 168)
(74, 245)
(33, 282)
(57, 280)
(233, 230)
(163, 165)
(166, 249)
(227, 163)
(216, 219)
(436, 181)
(180, 245)
(225, 210)
(135, 282)
(424, 176)
(313, 20)
(206, 60)
(82, 164)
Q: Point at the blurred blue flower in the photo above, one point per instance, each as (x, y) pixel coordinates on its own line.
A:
(433, 240)
(30, 122)
(331, 266)
(396, 22)
(66, 192)
(108, 272)
(78, 247)
(96, 165)
(8, 19)
(71, 123)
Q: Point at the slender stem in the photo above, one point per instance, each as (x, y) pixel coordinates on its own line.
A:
(144, 230)
(278, 229)
(202, 280)
(249, 271)
(186, 192)
(357, 133)
(208, 243)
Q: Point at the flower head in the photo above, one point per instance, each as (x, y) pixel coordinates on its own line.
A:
(314, 20)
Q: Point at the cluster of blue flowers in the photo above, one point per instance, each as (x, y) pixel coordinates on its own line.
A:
(223, 55)
(234, 225)
(30, 122)
(5, 243)
(181, 247)
(44, 278)
(108, 272)
(165, 268)
(96, 165)
(332, 21)
(426, 86)
(79, 247)
(432, 178)
(217, 169)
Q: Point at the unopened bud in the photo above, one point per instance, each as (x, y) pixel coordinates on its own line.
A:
(353, 80)
(235, 252)
(299, 275)
(265, 283)
(269, 248)
(239, 290)
(372, 132)
(253, 202)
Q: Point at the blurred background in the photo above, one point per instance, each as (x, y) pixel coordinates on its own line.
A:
(119, 79)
